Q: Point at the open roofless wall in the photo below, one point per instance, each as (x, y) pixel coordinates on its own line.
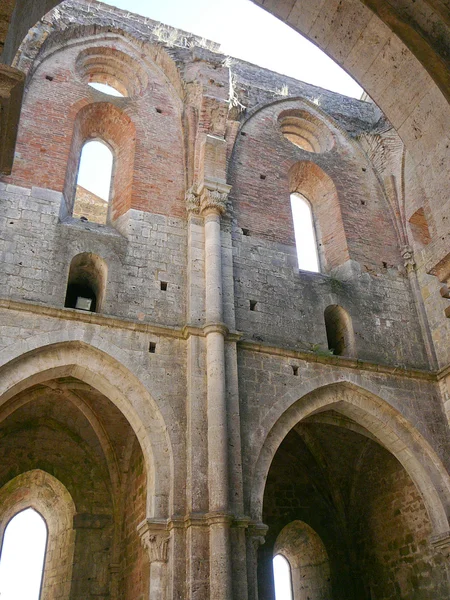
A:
(167, 413)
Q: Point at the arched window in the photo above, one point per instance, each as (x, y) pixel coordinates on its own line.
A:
(93, 184)
(339, 331)
(305, 236)
(105, 88)
(86, 283)
(22, 556)
(282, 578)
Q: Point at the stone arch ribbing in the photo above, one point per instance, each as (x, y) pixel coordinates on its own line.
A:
(98, 368)
(388, 427)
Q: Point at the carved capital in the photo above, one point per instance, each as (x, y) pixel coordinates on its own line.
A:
(408, 257)
(192, 201)
(214, 200)
(256, 535)
(155, 539)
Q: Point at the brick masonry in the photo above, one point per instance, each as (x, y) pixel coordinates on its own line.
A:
(118, 406)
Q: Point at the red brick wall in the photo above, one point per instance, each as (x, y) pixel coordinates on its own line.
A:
(49, 130)
(262, 203)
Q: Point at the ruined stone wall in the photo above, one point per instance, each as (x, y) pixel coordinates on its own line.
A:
(210, 343)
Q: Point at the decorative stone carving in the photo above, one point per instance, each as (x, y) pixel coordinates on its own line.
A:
(192, 201)
(155, 539)
(213, 199)
(408, 257)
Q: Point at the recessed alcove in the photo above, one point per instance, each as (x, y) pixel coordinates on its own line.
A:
(86, 283)
(305, 131)
(105, 65)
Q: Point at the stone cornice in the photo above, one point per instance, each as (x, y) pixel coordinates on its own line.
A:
(69, 314)
(339, 361)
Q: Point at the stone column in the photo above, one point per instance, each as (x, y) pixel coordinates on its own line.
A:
(155, 539)
(11, 91)
(213, 205)
(255, 538)
(410, 266)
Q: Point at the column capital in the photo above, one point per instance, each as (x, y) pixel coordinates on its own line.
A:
(155, 539)
(211, 197)
(256, 534)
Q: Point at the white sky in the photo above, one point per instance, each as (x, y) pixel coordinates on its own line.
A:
(22, 557)
(282, 578)
(95, 169)
(246, 31)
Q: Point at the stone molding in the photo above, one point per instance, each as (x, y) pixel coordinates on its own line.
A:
(69, 314)
(155, 539)
(441, 543)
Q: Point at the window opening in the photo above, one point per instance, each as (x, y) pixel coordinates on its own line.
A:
(94, 182)
(106, 89)
(282, 578)
(22, 556)
(339, 330)
(87, 282)
(305, 236)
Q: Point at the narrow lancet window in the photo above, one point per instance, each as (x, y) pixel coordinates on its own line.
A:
(94, 182)
(282, 578)
(22, 556)
(305, 237)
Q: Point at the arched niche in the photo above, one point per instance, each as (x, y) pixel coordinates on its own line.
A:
(44, 493)
(308, 559)
(309, 180)
(104, 121)
(86, 283)
(340, 335)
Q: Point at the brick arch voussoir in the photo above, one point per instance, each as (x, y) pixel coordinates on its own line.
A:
(106, 368)
(391, 429)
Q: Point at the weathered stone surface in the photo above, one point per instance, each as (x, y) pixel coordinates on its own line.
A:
(171, 437)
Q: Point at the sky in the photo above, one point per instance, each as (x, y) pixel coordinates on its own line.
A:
(22, 557)
(246, 31)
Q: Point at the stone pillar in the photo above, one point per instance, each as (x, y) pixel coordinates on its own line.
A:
(255, 538)
(213, 204)
(410, 266)
(155, 539)
(11, 91)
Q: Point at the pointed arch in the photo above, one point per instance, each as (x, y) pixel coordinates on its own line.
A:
(106, 374)
(385, 424)
(45, 494)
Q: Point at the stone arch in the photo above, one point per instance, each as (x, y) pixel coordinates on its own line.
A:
(96, 367)
(307, 556)
(385, 424)
(50, 498)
